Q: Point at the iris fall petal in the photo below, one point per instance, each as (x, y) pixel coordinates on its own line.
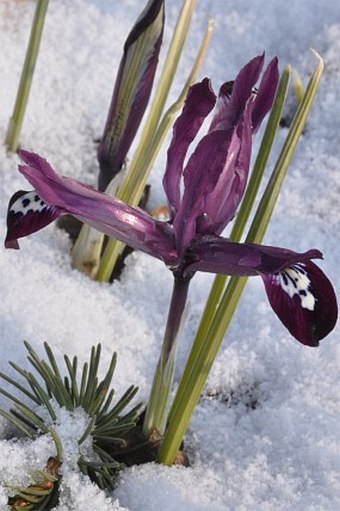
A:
(304, 300)
(27, 213)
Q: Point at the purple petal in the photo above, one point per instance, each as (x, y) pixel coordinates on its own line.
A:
(222, 203)
(132, 90)
(214, 254)
(233, 96)
(110, 216)
(216, 175)
(200, 177)
(298, 291)
(265, 95)
(230, 108)
(199, 102)
(214, 182)
(27, 213)
(304, 300)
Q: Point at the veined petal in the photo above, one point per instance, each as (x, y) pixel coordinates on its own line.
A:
(230, 106)
(221, 204)
(214, 181)
(132, 90)
(110, 216)
(304, 300)
(201, 174)
(199, 102)
(27, 213)
(215, 176)
(265, 95)
(214, 254)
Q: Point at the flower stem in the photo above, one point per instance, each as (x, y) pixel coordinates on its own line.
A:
(197, 371)
(15, 123)
(185, 404)
(156, 413)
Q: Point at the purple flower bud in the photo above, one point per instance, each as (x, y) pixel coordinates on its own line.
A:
(132, 90)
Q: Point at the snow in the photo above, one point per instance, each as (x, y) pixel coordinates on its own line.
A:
(266, 432)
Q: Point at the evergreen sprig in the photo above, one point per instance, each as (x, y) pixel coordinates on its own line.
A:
(108, 424)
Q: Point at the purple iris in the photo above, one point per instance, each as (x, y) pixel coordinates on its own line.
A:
(203, 195)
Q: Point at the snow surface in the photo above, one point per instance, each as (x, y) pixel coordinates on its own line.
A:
(266, 433)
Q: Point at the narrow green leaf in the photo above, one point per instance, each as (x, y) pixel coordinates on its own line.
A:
(19, 387)
(52, 360)
(57, 443)
(83, 383)
(24, 420)
(103, 388)
(107, 403)
(26, 375)
(18, 423)
(92, 380)
(269, 198)
(90, 394)
(124, 401)
(88, 431)
(72, 371)
(10, 396)
(16, 121)
(44, 398)
(33, 417)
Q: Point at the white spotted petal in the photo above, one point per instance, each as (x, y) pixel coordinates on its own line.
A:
(27, 213)
(295, 281)
(304, 300)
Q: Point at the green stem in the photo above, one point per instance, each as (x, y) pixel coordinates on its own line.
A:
(197, 373)
(185, 405)
(156, 413)
(16, 121)
(57, 443)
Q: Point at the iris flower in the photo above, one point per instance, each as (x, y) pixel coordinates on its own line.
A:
(203, 191)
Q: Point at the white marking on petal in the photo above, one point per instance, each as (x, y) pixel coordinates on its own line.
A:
(29, 202)
(294, 281)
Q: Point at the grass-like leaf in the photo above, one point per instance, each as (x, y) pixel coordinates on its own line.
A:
(16, 121)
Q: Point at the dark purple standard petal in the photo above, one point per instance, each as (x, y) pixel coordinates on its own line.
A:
(199, 102)
(27, 213)
(264, 97)
(112, 217)
(216, 174)
(222, 203)
(230, 106)
(200, 179)
(304, 300)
